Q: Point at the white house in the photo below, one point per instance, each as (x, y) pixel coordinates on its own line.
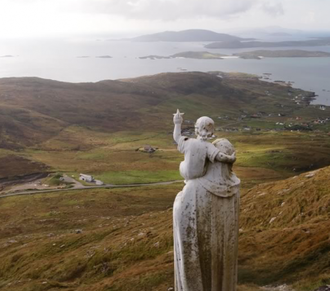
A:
(86, 178)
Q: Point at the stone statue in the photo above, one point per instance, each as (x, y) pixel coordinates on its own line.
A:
(205, 212)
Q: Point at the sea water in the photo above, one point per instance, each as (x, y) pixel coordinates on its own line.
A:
(78, 60)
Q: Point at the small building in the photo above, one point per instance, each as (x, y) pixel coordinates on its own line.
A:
(86, 178)
(246, 128)
(149, 149)
(99, 183)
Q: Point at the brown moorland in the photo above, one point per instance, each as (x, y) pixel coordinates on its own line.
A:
(122, 239)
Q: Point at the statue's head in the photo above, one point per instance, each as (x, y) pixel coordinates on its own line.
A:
(224, 146)
(204, 127)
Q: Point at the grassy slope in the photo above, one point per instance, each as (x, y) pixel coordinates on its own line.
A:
(45, 107)
(113, 158)
(96, 127)
(18, 166)
(126, 238)
(125, 242)
(284, 231)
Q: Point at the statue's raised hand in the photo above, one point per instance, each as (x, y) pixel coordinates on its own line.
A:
(177, 118)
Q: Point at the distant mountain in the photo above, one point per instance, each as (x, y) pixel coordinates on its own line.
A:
(187, 35)
(280, 34)
(270, 31)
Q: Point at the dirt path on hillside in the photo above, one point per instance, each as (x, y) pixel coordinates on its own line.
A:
(75, 184)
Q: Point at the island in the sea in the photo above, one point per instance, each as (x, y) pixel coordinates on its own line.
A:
(251, 44)
(258, 54)
(104, 57)
(188, 55)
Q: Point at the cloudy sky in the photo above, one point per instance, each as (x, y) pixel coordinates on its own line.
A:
(35, 18)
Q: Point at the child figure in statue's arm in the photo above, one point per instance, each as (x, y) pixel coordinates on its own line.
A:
(198, 151)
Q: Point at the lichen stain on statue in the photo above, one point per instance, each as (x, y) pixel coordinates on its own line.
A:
(205, 212)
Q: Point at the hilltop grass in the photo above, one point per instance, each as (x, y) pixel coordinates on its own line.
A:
(312, 283)
(4, 152)
(286, 223)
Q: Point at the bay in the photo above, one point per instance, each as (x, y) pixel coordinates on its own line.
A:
(86, 60)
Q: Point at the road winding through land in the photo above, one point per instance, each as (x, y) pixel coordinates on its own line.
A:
(78, 186)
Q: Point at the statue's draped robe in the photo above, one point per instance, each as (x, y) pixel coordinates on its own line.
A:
(205, 216)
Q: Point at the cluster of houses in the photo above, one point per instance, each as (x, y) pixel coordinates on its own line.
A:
(190, 131)
(321, 121)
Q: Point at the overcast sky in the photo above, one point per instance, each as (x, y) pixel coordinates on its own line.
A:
(31, 18)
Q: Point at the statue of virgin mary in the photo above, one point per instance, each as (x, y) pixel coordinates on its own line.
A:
(205, 212)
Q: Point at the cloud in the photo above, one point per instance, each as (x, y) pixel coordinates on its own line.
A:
(311, 16)
(273, 8)
(64, 17)
(169, 9)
